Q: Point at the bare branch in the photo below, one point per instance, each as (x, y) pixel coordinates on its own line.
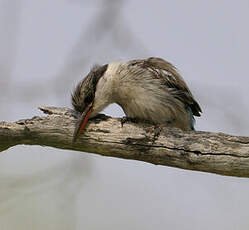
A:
(203, 151)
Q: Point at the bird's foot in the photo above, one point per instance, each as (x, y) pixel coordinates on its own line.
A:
(100, 116)
(157, 131)
(128, 119)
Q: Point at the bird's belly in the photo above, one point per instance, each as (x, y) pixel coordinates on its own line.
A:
(154, 105)
(158, 112)
(146, 110)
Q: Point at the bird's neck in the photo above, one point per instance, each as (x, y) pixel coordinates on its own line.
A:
(107, 87)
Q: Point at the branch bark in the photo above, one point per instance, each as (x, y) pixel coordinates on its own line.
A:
(202, 151)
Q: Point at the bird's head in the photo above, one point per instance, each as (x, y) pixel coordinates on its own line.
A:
(83, 97)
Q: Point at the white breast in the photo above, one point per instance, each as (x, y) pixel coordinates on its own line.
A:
(140, 95)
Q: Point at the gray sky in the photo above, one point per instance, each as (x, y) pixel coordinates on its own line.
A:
(48, 46)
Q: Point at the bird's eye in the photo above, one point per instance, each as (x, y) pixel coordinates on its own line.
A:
(88, 99)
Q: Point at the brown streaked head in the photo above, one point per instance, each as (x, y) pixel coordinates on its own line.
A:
(83, 97)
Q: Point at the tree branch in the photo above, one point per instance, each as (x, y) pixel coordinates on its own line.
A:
(203, 151)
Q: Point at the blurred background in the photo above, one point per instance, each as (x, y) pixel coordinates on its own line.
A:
(47, 46)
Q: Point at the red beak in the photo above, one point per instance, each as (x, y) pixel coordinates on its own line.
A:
(82, 122)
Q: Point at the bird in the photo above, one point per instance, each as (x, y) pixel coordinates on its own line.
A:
(150, 90)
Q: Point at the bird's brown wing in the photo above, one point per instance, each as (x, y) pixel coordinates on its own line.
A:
(173, 80)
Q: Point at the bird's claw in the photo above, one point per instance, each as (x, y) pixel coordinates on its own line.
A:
(128, 119)
(157, 131)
